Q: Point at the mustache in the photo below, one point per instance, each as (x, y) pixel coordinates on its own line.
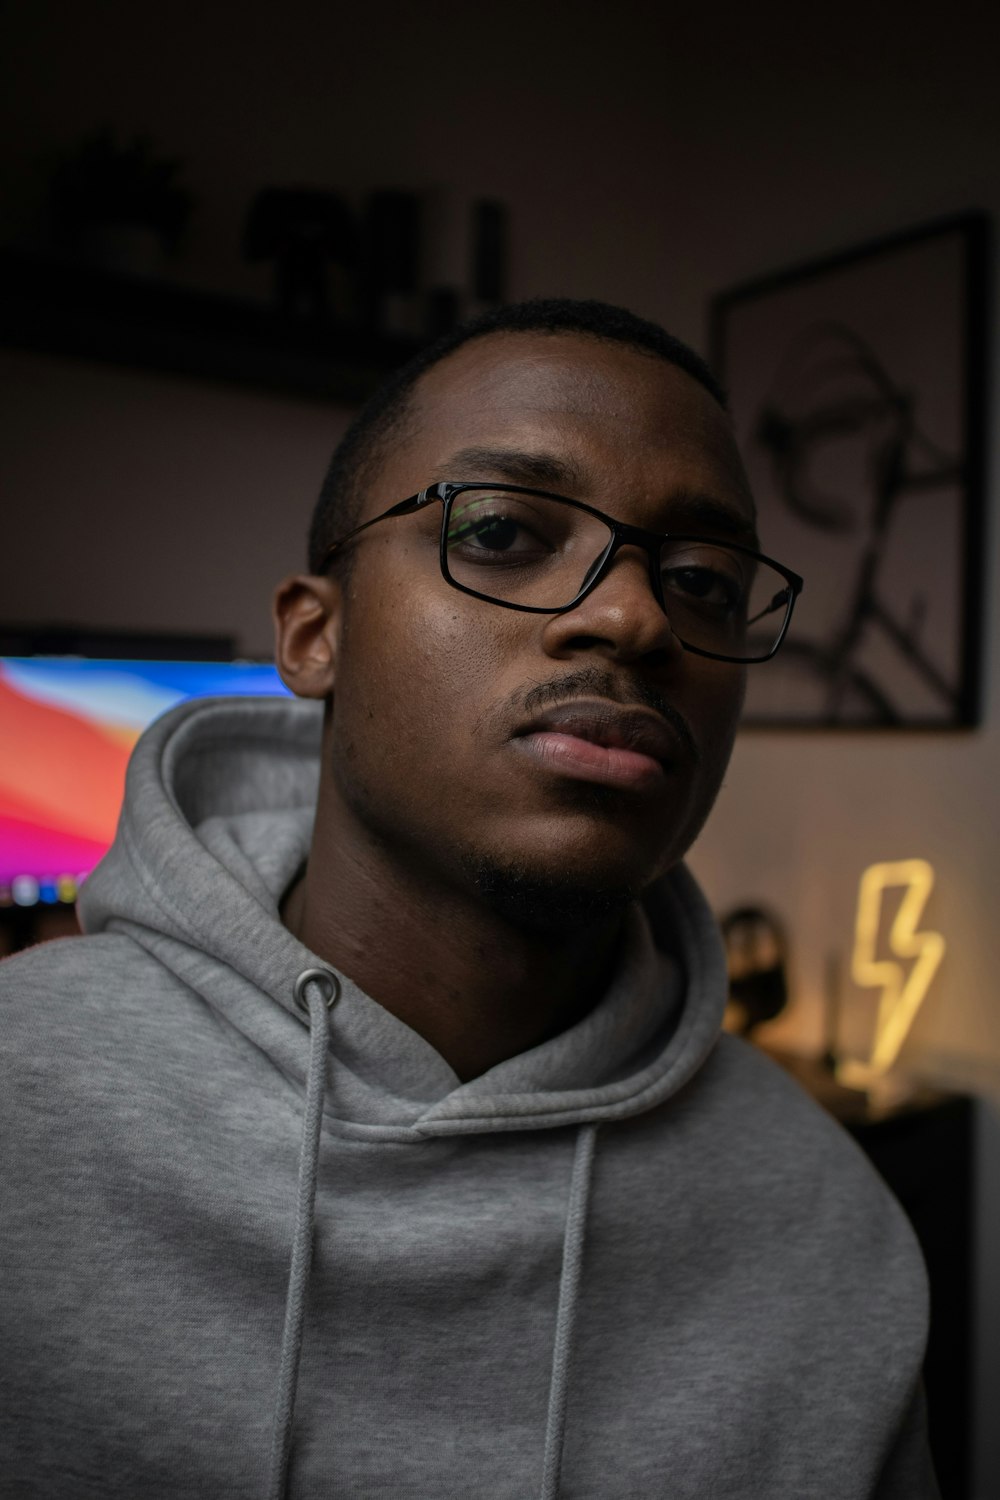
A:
(592, 682)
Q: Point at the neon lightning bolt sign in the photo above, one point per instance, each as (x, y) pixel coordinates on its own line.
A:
(905, 978)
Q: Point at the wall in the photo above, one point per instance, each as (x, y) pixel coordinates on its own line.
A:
(155, 502)
(649, 154)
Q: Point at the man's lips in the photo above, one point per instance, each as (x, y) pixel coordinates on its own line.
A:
(600, 741)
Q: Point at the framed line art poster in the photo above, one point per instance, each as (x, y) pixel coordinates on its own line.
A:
(857, 386)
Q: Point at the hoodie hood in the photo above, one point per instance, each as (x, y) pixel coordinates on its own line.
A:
(217, 821)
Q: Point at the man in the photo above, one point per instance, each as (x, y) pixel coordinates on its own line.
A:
(380, 1140)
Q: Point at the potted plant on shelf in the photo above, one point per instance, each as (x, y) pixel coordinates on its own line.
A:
(119, 207)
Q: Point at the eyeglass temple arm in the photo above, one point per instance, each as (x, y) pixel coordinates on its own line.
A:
(780, 601)
(413, 502)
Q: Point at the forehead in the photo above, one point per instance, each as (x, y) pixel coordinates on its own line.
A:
(631, 429)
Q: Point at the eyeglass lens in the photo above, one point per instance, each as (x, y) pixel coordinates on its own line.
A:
(529, 550)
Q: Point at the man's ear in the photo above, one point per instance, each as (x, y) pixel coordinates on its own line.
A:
(306, 613)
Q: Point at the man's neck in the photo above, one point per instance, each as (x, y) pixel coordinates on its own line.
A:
(476, 985)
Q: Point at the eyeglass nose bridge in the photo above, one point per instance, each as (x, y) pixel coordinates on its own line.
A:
(630, 536)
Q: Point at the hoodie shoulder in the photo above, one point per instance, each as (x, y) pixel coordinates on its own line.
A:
(792, 1151)
(70, 970)
(74, 999)
(774, 1112)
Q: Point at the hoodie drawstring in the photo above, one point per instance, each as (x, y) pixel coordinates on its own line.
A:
(569, 1287)
(316, 992)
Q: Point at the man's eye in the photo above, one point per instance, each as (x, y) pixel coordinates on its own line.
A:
(707, 586)
(482, 535)
(497, 533)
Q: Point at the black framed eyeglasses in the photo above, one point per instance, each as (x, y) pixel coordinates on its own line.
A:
(531, 550)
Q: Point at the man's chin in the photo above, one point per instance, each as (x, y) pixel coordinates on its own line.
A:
(544, 902)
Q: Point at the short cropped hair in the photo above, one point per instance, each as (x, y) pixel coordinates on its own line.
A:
(384, 415)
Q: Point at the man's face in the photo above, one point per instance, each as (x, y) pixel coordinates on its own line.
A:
(455, 739)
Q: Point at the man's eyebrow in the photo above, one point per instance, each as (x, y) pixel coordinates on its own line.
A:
(543, 469)
(703, 513)
(689, 510)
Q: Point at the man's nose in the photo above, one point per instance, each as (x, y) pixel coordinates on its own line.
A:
(620, 617)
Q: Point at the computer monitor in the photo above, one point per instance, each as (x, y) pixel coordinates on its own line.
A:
(67, 727)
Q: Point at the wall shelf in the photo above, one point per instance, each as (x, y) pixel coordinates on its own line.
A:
(60, 307)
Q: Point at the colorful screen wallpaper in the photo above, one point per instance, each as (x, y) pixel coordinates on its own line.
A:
(67, 727)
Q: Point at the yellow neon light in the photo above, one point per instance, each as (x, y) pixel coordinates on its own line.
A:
(903, 987)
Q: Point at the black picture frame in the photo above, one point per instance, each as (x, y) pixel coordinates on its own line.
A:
(858, 388)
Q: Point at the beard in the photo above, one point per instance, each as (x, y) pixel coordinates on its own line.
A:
(540, 903)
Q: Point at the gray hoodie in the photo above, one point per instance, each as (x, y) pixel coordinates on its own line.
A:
(257, 1238)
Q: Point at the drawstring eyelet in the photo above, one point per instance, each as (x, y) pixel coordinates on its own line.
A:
(329, 985)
